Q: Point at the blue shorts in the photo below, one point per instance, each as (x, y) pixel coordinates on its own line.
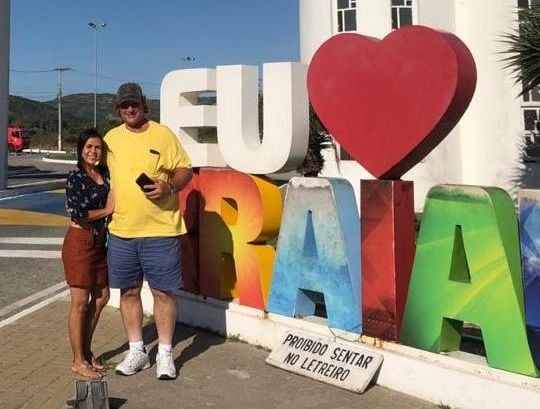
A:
(155, 258)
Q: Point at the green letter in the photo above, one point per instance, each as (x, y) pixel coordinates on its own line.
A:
(467, 268)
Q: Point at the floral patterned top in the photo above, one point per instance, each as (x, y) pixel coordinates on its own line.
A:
(83, 194)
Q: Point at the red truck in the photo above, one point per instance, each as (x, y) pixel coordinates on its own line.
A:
(18, 138)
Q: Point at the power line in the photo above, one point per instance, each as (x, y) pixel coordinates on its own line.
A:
(115, 78)
(84, 73)
(32, 71)
(39, 91)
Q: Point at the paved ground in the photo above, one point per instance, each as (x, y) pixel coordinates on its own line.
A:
(27, 171)
(32, 227)
(214, 373)
(26, 161)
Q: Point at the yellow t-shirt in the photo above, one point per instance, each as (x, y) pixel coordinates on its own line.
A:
(154, 152)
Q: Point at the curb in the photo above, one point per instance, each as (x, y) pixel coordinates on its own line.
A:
(64, 161)
(38, 150)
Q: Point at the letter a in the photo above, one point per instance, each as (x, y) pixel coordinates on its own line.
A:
(467, 269)
(318, 251)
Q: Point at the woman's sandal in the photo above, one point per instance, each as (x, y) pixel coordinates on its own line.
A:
(85, 370)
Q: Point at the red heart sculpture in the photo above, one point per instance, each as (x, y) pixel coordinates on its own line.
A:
(390, 102)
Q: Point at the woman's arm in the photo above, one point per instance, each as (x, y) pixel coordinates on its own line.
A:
(101, 213)
(77, 201)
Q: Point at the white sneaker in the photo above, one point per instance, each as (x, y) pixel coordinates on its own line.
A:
(133, 362)
(165, 368)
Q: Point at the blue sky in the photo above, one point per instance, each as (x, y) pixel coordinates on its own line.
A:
(143, 40)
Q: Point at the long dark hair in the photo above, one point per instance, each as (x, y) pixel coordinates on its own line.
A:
(81, 141)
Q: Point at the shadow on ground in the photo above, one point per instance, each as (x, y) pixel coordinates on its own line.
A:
(201, 340)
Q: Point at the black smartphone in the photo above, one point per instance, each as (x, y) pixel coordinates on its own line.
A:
(144, 180)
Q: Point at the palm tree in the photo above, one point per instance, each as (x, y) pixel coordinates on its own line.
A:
(319, 139)
(523, 52)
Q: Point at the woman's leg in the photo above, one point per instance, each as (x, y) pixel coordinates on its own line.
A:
(77, 329)
(99, 297)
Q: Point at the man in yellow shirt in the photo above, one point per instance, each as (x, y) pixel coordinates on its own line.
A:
(146, 224)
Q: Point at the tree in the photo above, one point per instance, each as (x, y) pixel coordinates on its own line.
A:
(319, 139)
(523, 52)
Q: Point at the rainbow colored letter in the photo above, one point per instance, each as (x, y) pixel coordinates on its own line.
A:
(467, 269)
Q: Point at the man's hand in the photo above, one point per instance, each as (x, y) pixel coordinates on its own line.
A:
(159, 190)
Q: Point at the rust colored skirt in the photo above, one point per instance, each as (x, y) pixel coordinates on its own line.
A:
(85, 258)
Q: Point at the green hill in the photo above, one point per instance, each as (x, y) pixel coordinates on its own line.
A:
(41, 118)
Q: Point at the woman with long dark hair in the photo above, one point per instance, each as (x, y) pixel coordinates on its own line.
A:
(89, 203)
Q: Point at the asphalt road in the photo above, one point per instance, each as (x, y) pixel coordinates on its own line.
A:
(28, 168)
(32, 227)
(29, 261)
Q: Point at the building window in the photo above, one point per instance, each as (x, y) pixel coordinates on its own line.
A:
(402, 13)
(530, 106)
(346, 15)
(532, 124)
(527, 3)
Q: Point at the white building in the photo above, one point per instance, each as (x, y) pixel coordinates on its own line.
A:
(485, 146)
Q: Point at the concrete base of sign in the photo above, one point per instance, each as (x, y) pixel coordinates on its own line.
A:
(467, 382)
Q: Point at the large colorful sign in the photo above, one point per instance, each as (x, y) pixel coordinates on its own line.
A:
(359, 268)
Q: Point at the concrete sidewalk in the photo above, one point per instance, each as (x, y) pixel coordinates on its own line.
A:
(214, 372)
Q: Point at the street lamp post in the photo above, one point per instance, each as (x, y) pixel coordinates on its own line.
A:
(188, 59)
(96, 26)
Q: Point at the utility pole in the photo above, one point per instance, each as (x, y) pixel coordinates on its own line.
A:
(59, 70)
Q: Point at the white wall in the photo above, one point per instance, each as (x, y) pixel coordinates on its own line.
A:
(370, 17)
(439, 14)
(316, 25)
(4, 88)
(484, 146)
(442, 165)
(492, 128)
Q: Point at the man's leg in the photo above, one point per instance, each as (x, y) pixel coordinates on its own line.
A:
(125, 273)
(163, 278)
(165, 315)
(131, 311)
